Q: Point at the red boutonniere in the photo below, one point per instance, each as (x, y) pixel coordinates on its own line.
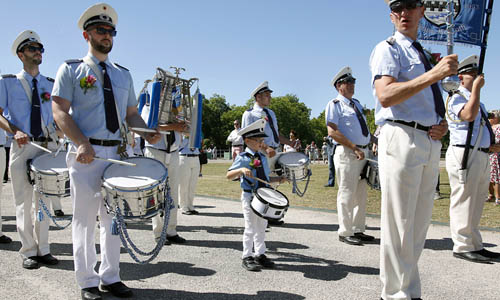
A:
(87, 83)
(255, 163)
(45, 96)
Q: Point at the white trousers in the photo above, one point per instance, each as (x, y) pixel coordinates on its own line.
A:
(86, 183)
(34, 235)
(171, 162)
(255, 229)
(351, 196)
(189, 170)
(2, 169)
(409, 167)
(467, 199)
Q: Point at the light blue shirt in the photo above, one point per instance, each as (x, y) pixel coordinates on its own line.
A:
(13, 99)
(402, 62)
(344, 116)
(87, 107)
(243, 161)
(458, 130)
(3, 137)
(257, 113)
(184, 148)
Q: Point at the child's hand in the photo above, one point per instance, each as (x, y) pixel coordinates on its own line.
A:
(246, 172)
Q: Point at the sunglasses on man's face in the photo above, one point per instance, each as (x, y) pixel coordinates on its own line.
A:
(399, 6)
(103, 31)
(348, 80)
(34, 49)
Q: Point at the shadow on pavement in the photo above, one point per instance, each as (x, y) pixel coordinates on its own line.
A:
(319, 268)
(319, 227)
(148, 294)
(133, 271)
(211, 229)
(445, 244)
(237, 245)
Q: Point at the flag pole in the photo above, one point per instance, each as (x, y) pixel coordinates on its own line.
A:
(484, 44)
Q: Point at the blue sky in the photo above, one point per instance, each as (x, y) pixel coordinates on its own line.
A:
(232, 45)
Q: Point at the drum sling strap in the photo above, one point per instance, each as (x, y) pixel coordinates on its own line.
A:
(469, 137)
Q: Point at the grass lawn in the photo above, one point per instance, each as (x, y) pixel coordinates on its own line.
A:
(214, 183)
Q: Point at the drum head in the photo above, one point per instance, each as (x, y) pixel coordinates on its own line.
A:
(47, 163)
(272, 196)
(147, 172)
(293, 159)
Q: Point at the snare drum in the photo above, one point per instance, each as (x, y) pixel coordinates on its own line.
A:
(139, 191)
(269, 203)
(50, 174)
(372, 177)
(294, 165)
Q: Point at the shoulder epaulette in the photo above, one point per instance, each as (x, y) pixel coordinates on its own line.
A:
(73, 61)
(250, 109)
(121, 67)
(336, 101)
(391, 40)
(50, 79)
(244, 153)
(9, 76)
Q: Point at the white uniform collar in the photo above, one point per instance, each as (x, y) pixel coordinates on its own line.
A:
(403, 39)
(257, 107)
(464, 92)
(344, 99)
(247, 149)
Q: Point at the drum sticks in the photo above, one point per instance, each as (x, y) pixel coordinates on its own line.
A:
(115, 161)
(40, 147)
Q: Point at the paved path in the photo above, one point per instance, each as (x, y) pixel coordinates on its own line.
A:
(311, 262)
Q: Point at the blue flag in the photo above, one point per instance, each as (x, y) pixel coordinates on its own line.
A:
(468, 21)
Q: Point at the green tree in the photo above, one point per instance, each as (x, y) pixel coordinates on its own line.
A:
(212, 127)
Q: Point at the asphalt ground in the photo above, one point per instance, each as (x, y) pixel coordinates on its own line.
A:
(311, 262)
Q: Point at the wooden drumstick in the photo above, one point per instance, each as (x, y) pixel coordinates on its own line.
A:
(258, 179)
(368, 159)
(115, 161)
(40, 147)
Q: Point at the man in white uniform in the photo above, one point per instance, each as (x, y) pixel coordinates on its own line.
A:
(189, 168)
(236, 140)
(93, 97)
(410, 107)
(469, 178)
(26, 96)
(346, 124)
(3, 238)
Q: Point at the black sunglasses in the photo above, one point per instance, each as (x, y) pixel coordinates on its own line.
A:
(409, 5)
(34, 49)
(103, 31)
(348, 80)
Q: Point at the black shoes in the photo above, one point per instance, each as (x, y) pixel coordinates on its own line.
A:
(364, 237)
(275, 222)
(488, 254)
(351, 240)
(91, 293)
(5, 239)
(118, 289)
(58, 213)
(190, 212)
(47, 259)
(327, 185)
(30, 263)
(264, 262)
(472, 257)
(176, 239)
(167, 242)
(250, 265)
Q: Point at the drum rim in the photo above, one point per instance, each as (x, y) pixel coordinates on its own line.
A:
(293, 153)
(48, 172)
(271, 204)
(266, 217)
(163, 179)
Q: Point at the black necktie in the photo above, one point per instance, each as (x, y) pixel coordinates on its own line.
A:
(260, 171)
(36, 121)
(109, 101)
(271, 123)
(438, 97)
(488, 125)
(170, 140)
(361, 120)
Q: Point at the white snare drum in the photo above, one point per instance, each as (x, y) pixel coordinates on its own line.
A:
(372, 177)
(139, 191)
(50, 174)
(269, 204)
(294, 164)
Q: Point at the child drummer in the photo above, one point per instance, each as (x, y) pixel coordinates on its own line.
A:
(249, 165)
